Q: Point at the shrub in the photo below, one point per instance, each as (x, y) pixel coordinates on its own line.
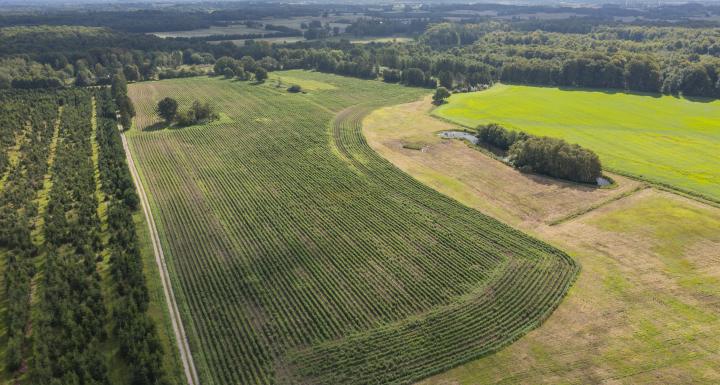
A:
(294, 88)
(440, 95)
(261, 74)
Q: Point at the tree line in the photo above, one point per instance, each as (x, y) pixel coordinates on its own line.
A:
(125, 107)
(27, 121)
(131, 324)
(457, 56)
(70, 325)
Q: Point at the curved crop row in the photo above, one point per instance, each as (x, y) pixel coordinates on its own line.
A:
(300, 256)
(517, 300)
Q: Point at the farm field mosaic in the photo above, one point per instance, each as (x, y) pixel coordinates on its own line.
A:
(644, 307)
(299, 255)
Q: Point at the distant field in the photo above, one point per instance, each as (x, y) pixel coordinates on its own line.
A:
(282, 40)
(273, 40)
(229, 30)
(390, 39)
(290, 22)
(661, 138)
(301, 256)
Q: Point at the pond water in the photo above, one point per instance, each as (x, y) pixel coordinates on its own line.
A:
(602, 181)
(459, 135)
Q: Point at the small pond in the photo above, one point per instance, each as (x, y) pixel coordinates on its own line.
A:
(459, 135)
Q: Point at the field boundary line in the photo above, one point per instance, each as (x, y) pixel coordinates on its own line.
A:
(177, 325)
(581, 212)
(696, 196)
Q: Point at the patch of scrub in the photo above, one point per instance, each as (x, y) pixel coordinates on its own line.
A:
(418, 146)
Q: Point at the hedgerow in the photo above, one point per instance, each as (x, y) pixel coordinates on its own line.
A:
(29, 131)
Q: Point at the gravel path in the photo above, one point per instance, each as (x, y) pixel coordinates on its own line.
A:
(180, 337)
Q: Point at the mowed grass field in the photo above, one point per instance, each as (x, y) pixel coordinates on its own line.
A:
(660, 138)
(644, 309)
(300, 256)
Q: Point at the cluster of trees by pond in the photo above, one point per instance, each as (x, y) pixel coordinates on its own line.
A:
(543, 155)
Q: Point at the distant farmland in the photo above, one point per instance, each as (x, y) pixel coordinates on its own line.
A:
(301, 256)
(660, 138)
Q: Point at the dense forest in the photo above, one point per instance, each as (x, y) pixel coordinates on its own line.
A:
(459, 55)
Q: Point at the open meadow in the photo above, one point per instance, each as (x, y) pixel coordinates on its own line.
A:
(663, 139)
(298, 255)
(644, 309)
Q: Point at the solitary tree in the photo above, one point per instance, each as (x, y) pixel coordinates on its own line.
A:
(440, 95)
(260, 74)
(167, 109)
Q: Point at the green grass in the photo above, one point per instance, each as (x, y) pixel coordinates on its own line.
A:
(673, 228)
(282, 81)
(157, 308)
(298, 255)
(659, 138)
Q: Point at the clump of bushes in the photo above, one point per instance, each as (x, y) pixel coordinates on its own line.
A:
(440, 96)
(294, 88)
(543, 155)
(198, 113)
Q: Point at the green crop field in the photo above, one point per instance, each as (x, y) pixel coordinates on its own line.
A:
(299, 255)
(663, 139)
